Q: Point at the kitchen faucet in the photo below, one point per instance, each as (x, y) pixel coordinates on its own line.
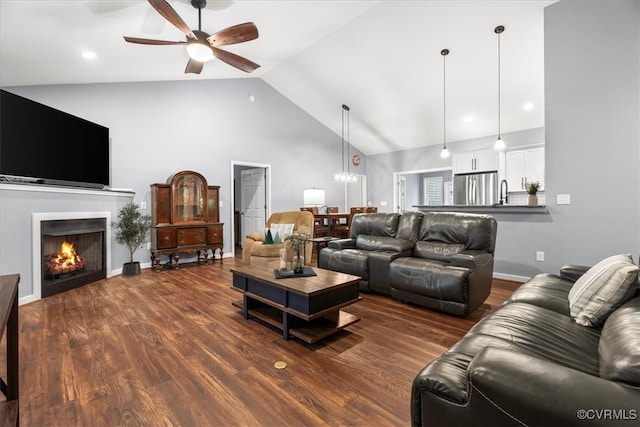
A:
(504, 197)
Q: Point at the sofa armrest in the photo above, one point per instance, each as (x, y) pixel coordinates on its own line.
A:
(480, 266)
(249, 240)
(572, 272)
(341, 244)
(471, 259)
(539, 392)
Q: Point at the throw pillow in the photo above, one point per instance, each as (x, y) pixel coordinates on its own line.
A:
(602, 289)
(283, 230)
(268, 238)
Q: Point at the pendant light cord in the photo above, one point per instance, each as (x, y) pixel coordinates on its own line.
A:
(499, 86)
(444, 95)
(499, 31)
(345, 108)
(342, 152)
(348, 149)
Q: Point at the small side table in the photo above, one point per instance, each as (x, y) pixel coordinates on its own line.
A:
(319, 243)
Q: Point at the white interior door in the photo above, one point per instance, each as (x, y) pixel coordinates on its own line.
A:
(253, 199)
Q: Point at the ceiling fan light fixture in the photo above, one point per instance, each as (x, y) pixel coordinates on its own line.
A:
(199, 51)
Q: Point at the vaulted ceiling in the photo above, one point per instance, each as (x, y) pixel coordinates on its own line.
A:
(382, 58)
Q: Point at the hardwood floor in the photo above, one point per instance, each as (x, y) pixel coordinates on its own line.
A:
(169, 349)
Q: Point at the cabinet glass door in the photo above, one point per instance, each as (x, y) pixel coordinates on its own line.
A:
(188, 196)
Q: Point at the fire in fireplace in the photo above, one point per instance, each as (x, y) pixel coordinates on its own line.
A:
(66, 261)
(73, 253)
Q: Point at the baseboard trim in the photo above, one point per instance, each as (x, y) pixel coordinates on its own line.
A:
(28, 299)
(511, 277)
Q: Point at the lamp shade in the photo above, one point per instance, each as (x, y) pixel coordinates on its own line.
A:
(313, 197)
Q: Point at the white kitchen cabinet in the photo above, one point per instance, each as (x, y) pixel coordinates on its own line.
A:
(475, 161)
(522, 166)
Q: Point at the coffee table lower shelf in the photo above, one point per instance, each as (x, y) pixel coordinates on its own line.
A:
(309, 331)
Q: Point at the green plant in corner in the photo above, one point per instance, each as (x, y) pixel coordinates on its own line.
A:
(532, 187)
(131, 228)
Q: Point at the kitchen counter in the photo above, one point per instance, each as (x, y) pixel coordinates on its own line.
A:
(493, 209)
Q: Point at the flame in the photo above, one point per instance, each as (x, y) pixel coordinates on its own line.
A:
(67, 255)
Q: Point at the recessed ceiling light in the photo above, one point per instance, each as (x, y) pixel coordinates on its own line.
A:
(528, 106)
(88, 54)
(468, 118)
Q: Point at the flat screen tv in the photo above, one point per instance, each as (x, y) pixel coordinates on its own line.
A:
(43, 145)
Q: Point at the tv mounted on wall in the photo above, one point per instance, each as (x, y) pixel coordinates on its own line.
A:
(39, 144)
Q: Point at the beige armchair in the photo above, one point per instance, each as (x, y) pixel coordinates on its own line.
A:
(256, 252)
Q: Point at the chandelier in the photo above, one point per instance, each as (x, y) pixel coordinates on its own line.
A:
(345, 175)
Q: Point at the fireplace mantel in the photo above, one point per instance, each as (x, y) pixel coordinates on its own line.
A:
(18, 204)
(44, 188)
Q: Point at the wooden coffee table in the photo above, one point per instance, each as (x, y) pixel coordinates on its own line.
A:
(308, 308)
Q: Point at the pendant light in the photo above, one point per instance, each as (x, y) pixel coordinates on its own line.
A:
(499, 142)
(444, 153)
(345, 176)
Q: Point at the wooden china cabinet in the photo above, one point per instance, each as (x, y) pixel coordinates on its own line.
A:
(185, 218)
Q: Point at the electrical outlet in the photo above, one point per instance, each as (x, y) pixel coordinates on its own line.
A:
(148, 245)
(539, 256)
(220, 204)
(563, 199)
(383, 203)
(143, 205)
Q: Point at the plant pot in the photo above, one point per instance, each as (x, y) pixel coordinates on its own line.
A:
(131, 268)
(533, 200)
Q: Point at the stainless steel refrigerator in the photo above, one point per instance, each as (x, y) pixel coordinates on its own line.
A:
(475, 189)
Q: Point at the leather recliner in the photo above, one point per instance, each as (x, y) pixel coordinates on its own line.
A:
(451, 267)
(376, 239)
(255, 252)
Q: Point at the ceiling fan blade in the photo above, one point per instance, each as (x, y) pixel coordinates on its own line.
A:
(152, 41)
(235, 34)
(172, 16)
(193, 67)
(234, 60)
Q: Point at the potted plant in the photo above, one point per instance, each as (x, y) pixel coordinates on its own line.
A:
(532, 188)
(131, 230)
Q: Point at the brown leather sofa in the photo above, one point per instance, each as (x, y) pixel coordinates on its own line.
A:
(438, 260)
(254, 251)
(529, 364)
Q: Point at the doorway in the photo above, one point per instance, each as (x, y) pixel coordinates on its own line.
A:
(250, 201)
(409, 188)
(356, 193)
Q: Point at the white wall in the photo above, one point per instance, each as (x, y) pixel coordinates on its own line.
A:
(592, 91)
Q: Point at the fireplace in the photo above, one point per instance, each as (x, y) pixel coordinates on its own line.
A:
(72, 251)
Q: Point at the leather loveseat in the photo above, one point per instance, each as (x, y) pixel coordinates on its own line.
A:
(530, 363)
(438, 260)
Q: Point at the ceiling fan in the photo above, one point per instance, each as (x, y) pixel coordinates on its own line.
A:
(201, 46)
